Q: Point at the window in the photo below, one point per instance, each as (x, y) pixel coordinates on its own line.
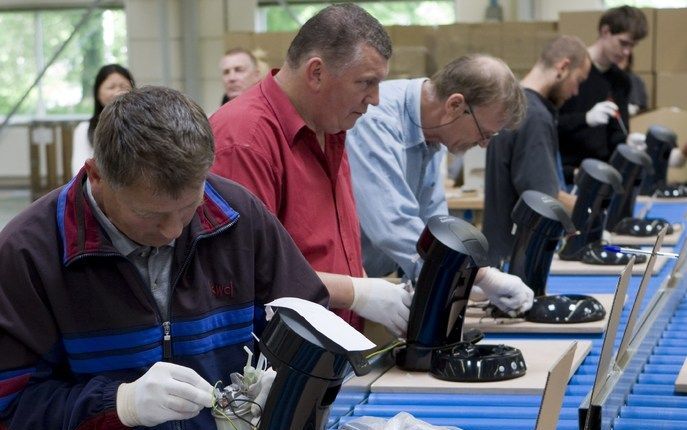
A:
(277, 18)
(646, 3)
(31, 38)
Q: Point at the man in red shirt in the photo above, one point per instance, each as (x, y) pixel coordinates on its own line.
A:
(285, 142)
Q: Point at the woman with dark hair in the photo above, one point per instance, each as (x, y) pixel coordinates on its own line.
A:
(111, 81)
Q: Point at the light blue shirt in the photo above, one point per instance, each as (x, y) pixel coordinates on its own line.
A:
(396, 178)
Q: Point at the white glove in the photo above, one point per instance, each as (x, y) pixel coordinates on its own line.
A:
(601, 113)
(507, 292)
(676, 158)
(381, 301)
(164, 393)
(477, 295)
(266, 381)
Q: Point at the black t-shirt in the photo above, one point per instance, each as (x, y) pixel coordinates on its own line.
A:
(579, 141)
(517, 161)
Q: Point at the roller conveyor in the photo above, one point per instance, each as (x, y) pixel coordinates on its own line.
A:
(651, 394)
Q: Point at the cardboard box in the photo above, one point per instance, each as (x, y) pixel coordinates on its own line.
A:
(450, 42)
(671, 90)
(521, 42)
(410, 35)
(650, 85)
(408, 62)
(644, 53)
(673, 118)
(671, 40)
(274, 45)
(585, 25)
(486, 38)
(239, 39)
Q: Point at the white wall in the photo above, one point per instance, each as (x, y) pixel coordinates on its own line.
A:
(14, 163)
(178, 43)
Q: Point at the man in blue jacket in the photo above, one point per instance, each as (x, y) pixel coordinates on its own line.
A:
(128, 292)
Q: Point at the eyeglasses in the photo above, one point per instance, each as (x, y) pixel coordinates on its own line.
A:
(481, 133)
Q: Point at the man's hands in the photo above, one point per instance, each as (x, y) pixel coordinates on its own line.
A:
(507, 292)
(381, 301)
(164, 393)
(601, 113)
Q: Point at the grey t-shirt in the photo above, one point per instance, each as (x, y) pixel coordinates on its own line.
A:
(517, 161)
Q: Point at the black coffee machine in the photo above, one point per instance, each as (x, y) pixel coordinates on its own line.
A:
(660, 141)
(595, 182)
(540, 221)
(453, 251)
(632, 164)
(310, 370)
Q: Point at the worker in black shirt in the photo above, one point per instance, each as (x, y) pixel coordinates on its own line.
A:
(594, 122)
(528, 158)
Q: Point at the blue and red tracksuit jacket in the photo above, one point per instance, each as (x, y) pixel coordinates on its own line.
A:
(77, 319)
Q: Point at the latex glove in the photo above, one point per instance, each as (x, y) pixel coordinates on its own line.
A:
(266, 381)
(477, 295)
(507, 292)
(601, 113)
(381, 301)
(164, 393)
(677, 157)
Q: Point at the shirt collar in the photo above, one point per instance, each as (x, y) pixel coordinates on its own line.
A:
(119, 240)
(288, 117)
(546, 102)
(411, 128)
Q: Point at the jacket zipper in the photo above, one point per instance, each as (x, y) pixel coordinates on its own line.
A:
(167, 325)
(167, 341)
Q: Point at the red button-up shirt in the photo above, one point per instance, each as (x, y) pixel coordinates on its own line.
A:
(263, 143)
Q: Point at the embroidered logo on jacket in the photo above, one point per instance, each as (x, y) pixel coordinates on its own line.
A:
(222, 290)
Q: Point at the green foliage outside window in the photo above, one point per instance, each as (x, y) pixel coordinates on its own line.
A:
(387, 12)
(67, 84)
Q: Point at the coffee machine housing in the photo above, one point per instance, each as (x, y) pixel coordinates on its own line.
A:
(633, 165)
(310, 370)
(595, 182)
(660, 141)
(541, 222)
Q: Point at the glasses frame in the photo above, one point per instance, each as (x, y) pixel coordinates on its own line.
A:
(479, 128)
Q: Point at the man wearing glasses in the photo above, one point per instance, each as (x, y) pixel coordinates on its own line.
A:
(594, 122)
(396, 149)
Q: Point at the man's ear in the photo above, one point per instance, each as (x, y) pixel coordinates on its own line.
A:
(93, 172)
(562, 68)
(314, 69)
(455, 104)
(605, 30)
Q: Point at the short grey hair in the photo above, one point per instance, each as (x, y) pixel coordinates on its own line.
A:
(336, 34)
(154, 136)
(562, 47)
(483, 80)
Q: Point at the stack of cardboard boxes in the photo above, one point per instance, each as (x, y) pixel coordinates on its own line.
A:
(422, 50)
(670, 58)
(660, 59)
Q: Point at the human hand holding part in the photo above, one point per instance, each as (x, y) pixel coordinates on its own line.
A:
(382, 301)
(601, 113)
(507, 292)
(164, 393)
